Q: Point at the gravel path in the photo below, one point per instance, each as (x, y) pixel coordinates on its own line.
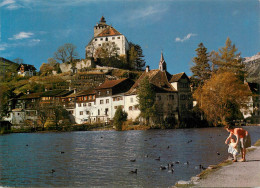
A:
(239, 174)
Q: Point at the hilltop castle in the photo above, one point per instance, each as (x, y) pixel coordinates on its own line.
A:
(106, 34)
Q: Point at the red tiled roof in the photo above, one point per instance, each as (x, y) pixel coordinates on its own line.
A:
(110, 83)
(110, 31)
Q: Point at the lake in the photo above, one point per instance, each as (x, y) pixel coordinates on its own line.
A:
(102, 158)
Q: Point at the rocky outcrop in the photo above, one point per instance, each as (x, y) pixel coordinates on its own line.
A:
(252, 65)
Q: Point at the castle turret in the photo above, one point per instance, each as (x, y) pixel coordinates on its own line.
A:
(101, 26)
(162, 64)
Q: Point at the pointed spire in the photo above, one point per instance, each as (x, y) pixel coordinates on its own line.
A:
(162, 59)
(162, 63)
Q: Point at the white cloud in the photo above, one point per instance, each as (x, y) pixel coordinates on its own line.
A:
(7, 2)
(178, 39)
(13, 6)
(21, 35)
(2, 48)
(148, 12)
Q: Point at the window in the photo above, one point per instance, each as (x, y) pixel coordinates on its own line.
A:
(107, 101)
(90, 97)
(171, 97)
(71, 111)
(79, 105)
(113, 43)
(115, 107)
(107, 92)
(84, 104)
(99, 44)
(98, 112)
(106, 111)
(81, 113)
(101, 101)
(113, 38)
(131, 100)
(87, 112)
(89, 104)
(183, 97)
(106, 39)
(101, 38)
(118, 37)
(130, 108)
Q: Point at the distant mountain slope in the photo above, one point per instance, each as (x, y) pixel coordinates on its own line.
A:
(252, 65)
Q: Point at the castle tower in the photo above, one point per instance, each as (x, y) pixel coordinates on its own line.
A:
(162, 63)
(101, 26)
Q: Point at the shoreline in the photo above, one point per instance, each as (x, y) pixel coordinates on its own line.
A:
(213, 169)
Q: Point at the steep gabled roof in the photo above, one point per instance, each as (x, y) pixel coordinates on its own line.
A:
(110, 31)
(110, 83)
(156, 77)
(177, 77)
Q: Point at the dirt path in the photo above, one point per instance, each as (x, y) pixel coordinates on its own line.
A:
(239, 174)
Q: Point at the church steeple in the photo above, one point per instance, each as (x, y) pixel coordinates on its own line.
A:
(162, 63)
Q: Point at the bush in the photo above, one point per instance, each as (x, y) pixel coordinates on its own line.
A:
(119, 118)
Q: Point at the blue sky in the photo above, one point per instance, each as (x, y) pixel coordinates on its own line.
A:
(33, 29)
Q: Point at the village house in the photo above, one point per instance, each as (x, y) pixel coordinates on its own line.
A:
(169, 88)
(25, 109)
(253, 104)
(26, 70)
(109, 96)
(106, 34)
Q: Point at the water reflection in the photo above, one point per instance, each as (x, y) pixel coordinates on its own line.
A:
(103, 158)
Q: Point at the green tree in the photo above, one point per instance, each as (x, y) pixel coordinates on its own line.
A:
(66, 53)
(119, 118)
(222, 97)
(146, 97)
(227, 59)
(136, 57)
(201, 68)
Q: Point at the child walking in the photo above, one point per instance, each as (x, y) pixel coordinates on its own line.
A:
(233, 150)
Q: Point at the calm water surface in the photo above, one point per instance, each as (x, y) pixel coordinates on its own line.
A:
(103, 158)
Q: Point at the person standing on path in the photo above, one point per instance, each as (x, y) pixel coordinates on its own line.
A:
(242, 138)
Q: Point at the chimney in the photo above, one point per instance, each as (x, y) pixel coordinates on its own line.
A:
(147, 69)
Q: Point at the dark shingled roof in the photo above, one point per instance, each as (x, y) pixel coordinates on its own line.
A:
(82, 93)
(26, 67)
(32, 96)
(177, 77)
(56, 93)
(110, 83)
(160, 80)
